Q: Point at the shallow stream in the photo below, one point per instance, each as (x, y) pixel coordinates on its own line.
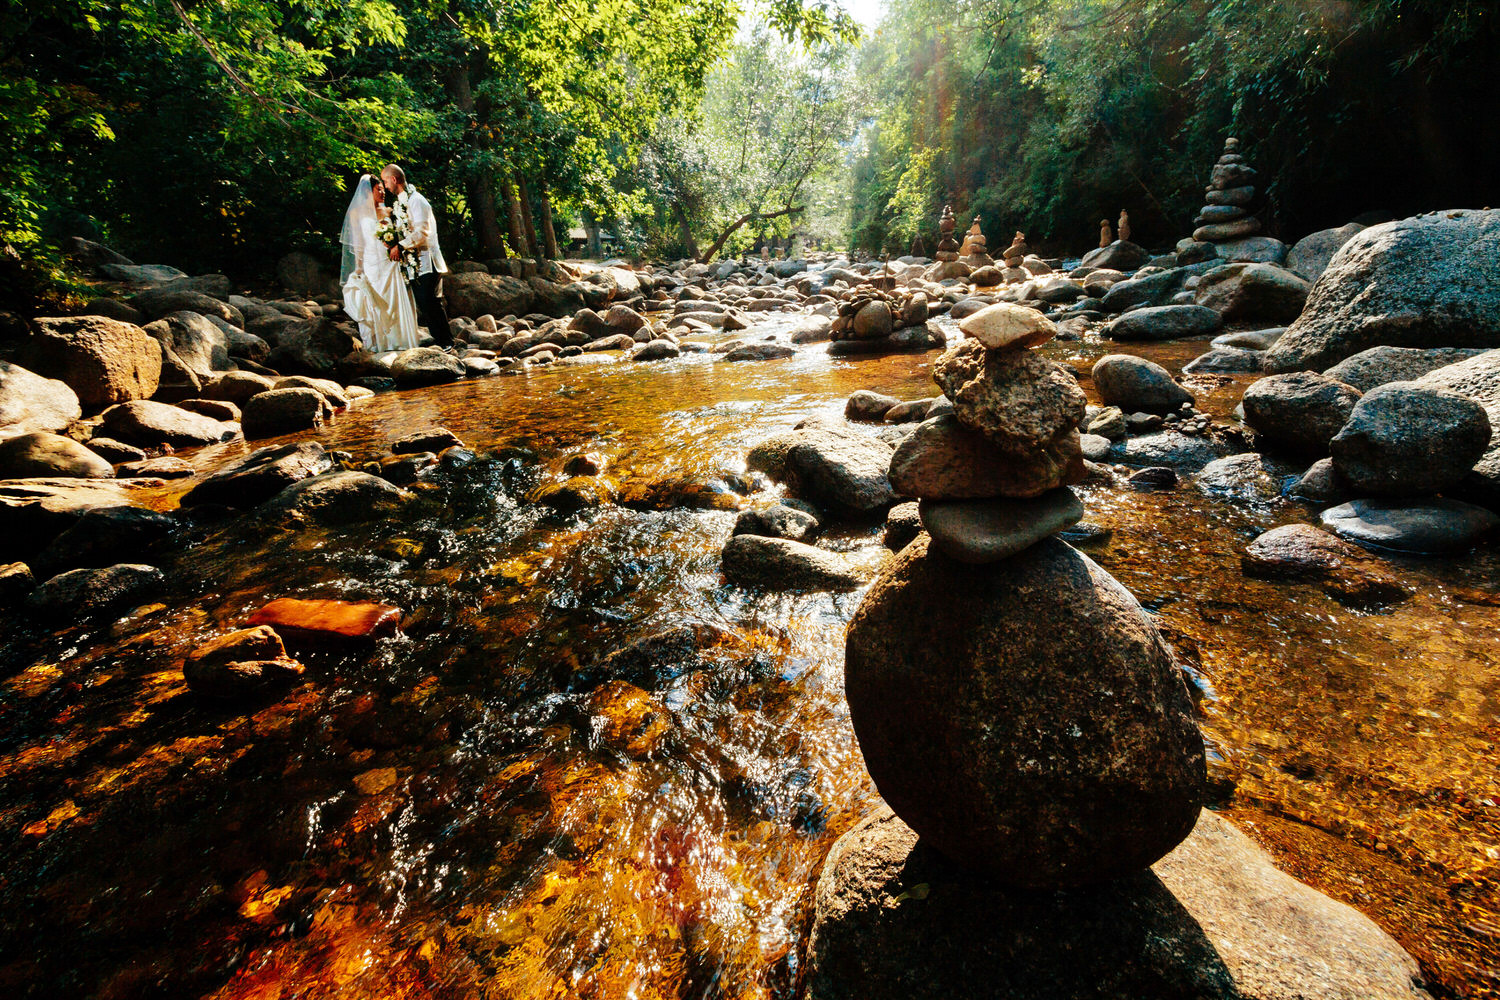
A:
(483, 807)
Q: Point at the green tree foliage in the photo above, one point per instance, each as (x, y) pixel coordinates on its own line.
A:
(221, 134)
(1050, 116)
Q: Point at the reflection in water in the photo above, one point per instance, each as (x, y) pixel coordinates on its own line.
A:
(490, 805)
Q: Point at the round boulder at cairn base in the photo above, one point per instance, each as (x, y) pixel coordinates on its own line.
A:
(1025, 717)
(1213, 920)
(1299, 412)
(1428, 281)
(1137, 385)
(1405, 439)
(105, 361)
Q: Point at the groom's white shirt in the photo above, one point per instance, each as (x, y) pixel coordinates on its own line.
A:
(424, 236)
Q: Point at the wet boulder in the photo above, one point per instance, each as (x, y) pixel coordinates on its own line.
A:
(778, 521)
(242, 663)
(106, 536)
(1302, 552)
(760, 351)
(1072, 758)
(261, 475)
(1299, 412)
(656, 350)
(1245, 478)
(238, 387)
(42, 455)
(864, 404)
(782, 564)
(284, 411)
(152, 425)
(1137, 385)
(319, 624)
(104, 361)
(1428, 281)
(1225, 360)
(1434, 526)
(1405, 439)
(340, 497)
(88, 592)
(1169, 448)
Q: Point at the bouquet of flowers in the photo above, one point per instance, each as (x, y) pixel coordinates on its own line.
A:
(397, 228)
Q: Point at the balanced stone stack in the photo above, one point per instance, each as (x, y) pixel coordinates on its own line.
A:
(948, 265)
(1231, 188)
(1013, 256)
(1035, 744)
(1106, 237)
(975, 251)
(870, 320)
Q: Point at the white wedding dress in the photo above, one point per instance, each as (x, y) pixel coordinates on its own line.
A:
(376, 295)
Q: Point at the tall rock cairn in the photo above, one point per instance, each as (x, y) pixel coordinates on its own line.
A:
(1230, 191)
(947, 248)
(1014, 704)
(975, 251)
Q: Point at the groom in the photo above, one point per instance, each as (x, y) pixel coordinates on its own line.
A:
(430, 266)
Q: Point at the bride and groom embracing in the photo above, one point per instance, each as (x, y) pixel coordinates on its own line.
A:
(392, 269)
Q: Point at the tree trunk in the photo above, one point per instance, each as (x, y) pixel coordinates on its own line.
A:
(480, 184)
(549, 235)
(513, 215)
(734, 227)
(533, 248)
(685, 232)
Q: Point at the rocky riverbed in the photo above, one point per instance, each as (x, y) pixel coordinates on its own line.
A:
(555, 739)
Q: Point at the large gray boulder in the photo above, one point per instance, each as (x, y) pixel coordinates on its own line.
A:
(1477, 378)
(43, 455)
(1380, 365)
(426, 366)
(1213, 920)
(104, 361)
(840, 470)
(308, 346)
(477, 294)
(1299, 412)
(1428, 281)
(29, 402)
(1165, 323)
(1311, 254)
(1405, 439)
(150, 425)
(1434, 526)
(1024, 716)
(334, 498)
(1153, 289)
(1253, 292)
(1137, 385)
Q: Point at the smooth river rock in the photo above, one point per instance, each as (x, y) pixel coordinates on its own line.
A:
(1380, 365)
(1303, 552)
(1164, 323)
(1430, 527)
(1024, 716)
(986, 531)
(782, 564)
(261, 475)
(1299, 412)
(1137, 385)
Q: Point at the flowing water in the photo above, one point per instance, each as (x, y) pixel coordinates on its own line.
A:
(485, 807)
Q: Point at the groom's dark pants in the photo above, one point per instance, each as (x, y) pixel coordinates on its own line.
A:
(428, 292)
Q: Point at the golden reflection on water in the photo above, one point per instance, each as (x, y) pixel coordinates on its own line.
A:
(482, 808)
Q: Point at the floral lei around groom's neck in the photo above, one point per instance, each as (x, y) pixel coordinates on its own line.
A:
(397, 228)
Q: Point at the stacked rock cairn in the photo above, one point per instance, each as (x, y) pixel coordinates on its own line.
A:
(1124, 224)
(1013, 256)
(1230, 189)
(1106, 235)
(1015, 705)
(948, 264)
(975, 251)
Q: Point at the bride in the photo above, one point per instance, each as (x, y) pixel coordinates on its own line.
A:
(376, 294)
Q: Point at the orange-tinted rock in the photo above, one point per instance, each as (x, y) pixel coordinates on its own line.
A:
(323, 624)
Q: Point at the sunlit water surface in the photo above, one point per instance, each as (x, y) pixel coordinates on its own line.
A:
(484, 808)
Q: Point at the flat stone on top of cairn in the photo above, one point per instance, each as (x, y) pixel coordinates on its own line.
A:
(1230, 189)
